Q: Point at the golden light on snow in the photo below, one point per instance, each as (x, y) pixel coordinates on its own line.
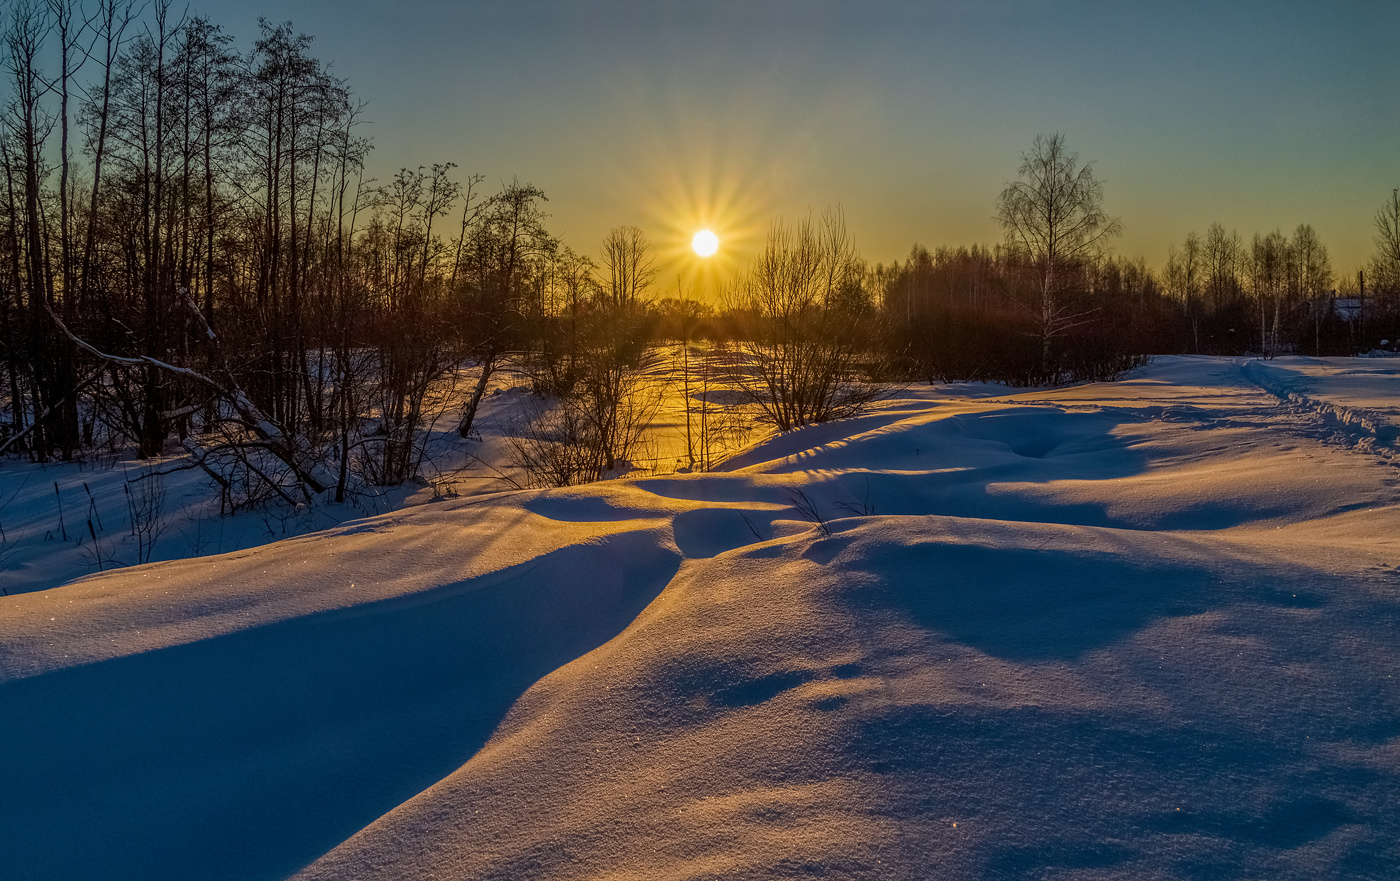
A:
(705, 243)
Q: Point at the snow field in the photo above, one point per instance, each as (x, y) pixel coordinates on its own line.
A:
(1138, 630)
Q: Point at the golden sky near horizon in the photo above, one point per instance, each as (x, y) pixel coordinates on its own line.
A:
(910, 116)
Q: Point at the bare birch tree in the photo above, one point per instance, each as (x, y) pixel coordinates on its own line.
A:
(1054, 217)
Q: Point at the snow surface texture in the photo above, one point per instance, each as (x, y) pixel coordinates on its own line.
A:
(1137, 630)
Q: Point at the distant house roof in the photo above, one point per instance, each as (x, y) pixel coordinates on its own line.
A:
(1348, 308)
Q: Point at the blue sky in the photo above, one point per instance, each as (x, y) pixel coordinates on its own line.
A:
(910, 115)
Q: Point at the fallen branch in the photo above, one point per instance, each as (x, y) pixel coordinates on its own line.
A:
(250, 415)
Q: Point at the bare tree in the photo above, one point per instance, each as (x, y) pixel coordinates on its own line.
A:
(1182, 275)
(70, 27)
(613, 387)
(1310, 278)
(1268, 281)
(1385, 265)
(503, 259)
(1223, 255)
(628, 267)
(683, 316)
(806, 357)
(1054, 217)
(29, 124)
(113, 18)
(572, 290)
(591, 424)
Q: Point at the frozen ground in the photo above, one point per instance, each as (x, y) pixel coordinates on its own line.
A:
(1136, 630)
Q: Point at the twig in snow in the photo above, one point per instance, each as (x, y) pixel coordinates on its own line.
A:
(809, 511)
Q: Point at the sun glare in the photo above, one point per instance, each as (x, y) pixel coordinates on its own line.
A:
(705, 243)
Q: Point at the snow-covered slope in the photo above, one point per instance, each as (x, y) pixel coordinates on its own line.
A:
(1138, 630)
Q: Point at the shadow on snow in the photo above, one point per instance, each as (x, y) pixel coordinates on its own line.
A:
(250, 755)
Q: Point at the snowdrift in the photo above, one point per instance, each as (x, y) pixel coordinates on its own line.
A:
(1138, 630)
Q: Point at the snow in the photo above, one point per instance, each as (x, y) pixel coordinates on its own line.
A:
(1144, 629)
(1357, 396)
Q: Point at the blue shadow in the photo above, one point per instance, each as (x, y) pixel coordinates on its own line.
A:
(249, 755)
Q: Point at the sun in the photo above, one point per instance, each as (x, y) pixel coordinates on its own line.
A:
(705, 243)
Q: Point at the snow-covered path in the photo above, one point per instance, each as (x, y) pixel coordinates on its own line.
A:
(1361, 411)
(1138, 630)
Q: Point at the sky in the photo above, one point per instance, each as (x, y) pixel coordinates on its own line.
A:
(911, 116)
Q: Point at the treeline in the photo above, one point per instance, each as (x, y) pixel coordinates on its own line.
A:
(974, 313)
(978, 313)
(191, 253)
(1049, 305)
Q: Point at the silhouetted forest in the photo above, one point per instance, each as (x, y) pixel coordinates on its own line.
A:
(191, 254)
